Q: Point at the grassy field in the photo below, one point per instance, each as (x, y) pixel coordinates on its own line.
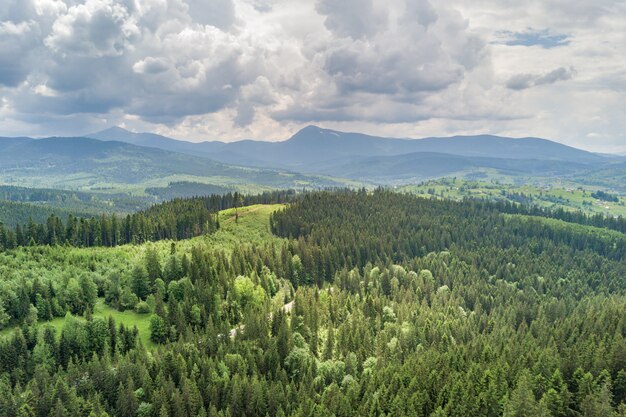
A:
(249, 226)
(129, 318)
(566, 196)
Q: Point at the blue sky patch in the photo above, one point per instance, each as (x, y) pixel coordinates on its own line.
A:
(533, 37)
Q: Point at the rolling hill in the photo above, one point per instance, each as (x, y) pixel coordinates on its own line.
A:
(84, 163)
(157, 141)
(426, 165)
(314, 145)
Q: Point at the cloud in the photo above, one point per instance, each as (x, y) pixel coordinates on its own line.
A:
(559, 74)
(164, 61)
(394, 60)
(263, 68)
(352, 18)
(17, 40)
(97, 28)
(218, 13)
(150, 65)
(524, 81)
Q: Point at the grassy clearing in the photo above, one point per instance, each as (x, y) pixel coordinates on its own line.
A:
(251, 227)
(101, 310)
(129, 318)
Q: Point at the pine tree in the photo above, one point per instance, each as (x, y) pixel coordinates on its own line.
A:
(140, 282)
(522, 402)
(127, 403)
(330, 344)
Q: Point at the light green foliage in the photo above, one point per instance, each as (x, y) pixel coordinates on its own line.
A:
(158, 329)
(389, 316)
(547, 193)
(248, 294)
(382, 304)
(140, 281)
(128, 300)
(299, 362)
(77, 273)
(142, 307)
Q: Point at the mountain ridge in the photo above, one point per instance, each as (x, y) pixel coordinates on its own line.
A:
(315, 151)
(313, 144)
(97, 161)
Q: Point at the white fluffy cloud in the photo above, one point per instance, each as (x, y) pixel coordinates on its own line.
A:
(95, 29)
(228, 69)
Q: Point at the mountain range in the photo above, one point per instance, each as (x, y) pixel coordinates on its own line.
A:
(313, 157)
(318, 151)
(313, 145)
(78, 162)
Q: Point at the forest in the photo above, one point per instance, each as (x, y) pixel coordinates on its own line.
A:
(330, 303)
(176, 219)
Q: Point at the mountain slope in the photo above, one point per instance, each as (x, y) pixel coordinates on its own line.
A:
(612, 176)
(64, 162)
(156, 141)
(13, 213)
(313, 146)
(317, 140)
(428, 165)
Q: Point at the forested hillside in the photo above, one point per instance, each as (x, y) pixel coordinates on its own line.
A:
(12, 213)
(91, 165)
(176, 219)
(75, 201)
(340, 303)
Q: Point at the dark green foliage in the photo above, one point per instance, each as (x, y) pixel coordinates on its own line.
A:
(601, 195)
(418, 308)
(14, 213)
(140, 282)
(18, 204)
(177, 219)
(158, 329)
(186, 189)
(598, 220)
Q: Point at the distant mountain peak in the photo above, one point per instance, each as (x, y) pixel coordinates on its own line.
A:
(313, 133)
(311, 128)
(115, 129)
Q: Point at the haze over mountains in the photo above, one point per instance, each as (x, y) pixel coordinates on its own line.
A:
(369, 158)
(78, 161)
(314, 144)
(313, 157)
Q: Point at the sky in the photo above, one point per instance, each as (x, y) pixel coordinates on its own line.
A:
(262, 69)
